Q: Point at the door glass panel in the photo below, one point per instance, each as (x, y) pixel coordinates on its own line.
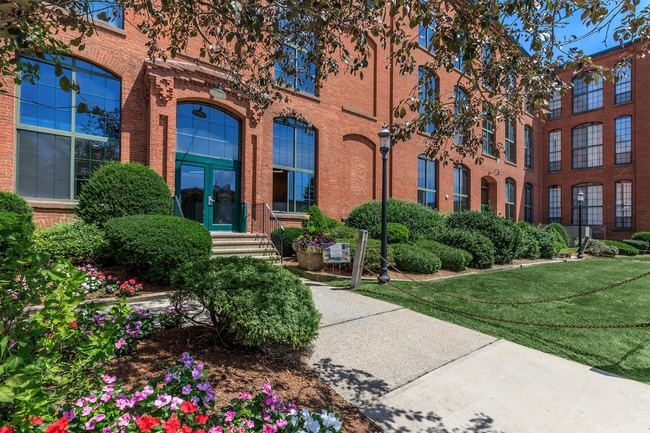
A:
(192, 192)
(224, 193)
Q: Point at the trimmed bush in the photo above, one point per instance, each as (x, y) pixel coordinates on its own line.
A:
(642, 246)
(479, 246)
(395, 233)
(452, 259)
(600, 248)
(343, 232)
(288, 236)
(10, 202)
(155, 245)
(412, 258)
(623, 249)
(332, 223)
(561, 231)
(116, 190)
(315, 220)
(529, 247)
(372, 258)
(641, 236)
(503, 232)
(422, 222)
(249, 301)
(77, 241)
(546, 242)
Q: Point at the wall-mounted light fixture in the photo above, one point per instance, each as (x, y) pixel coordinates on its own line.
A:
(218, 93)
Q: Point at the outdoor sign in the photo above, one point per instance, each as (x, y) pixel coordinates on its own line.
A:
(337, 253)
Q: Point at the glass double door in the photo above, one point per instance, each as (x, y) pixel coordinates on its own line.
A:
(209, 193)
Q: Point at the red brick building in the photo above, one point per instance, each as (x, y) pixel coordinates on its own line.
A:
(217, 153)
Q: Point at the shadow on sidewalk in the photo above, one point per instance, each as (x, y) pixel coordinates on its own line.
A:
(356, 385)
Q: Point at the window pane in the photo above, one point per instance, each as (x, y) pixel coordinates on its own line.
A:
(592, 207)
(511, 141)
(587, 96)
(623, 140)
(113, 14)
(528, 147)
(587, 146)
(102, 94)
(44, 103)
(623, 215)
(555, 204)
(623, 87)
(555, 106)
(216, 134)
(555, 151)
(43, 165)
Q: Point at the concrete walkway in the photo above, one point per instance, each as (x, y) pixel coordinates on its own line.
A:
(413, 373)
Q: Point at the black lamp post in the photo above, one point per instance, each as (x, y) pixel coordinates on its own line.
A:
(384, 147)
(581, 199)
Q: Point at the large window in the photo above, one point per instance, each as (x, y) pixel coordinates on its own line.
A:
(555, 107)
(459, 61)
(511, 197)
(107, 12)
(528, 147)
(427, 180)
(294, 166)
(587, 96)
(555, 150)
(295, 71)
(59, 146)
(460, 106)
(623, 87)
(461, 188)
(623, 140)
(205, 130)
(425, 37)
(587, 146)
(555, 204)
(488, 133)
(592, 207)
(528, 203)
(623, 217)
(428, 92)
(511, 141)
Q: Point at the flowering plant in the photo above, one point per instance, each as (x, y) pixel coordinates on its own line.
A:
(312, 242)
(96, 280)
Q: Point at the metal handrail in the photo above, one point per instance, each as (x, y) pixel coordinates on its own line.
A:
(270, 225)
(177, 204)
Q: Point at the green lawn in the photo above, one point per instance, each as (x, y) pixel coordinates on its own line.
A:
(621, 351)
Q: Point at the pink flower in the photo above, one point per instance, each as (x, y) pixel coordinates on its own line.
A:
(121, 342)
(108, 379)
(217, 429)
(124, 420)
(230, 415)
(268, 428)
(86, 410)
(244, 396)
(280, 423)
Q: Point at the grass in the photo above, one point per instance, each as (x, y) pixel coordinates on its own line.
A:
(625, 352)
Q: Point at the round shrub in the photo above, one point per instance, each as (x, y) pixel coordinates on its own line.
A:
(422, 222)
(529, 247)
(155, 245)
(641, 236)
(395, 233)
(117, 190)
(642, 246)
(452, 259)
(250, 302)
(503, 232)
(412, 258)
(288, 236)
(600, 248)
(561, 231)
(343, 232)
(479, 246)
(315, 220)
(623, 249)
(546, 241)
(12, 224)
(75, 240)
(10, 202)
(372, 258)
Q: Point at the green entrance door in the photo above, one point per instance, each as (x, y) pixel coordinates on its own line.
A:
(208, 168)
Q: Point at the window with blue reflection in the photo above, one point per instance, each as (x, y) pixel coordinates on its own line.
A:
(202, 129)
(425, 37)
(295, 70)
(428, 91)
(294, 166)
(59, 144)
(427, 179)
(112, 13)
(460, 106)
(461, 188)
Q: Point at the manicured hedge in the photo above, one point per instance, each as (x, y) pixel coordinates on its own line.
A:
(642, 246)
(641, 236)
(503, 232)
(10, 202)
(623, 249)
(155, 245)
(561, 231)
(480, 247)
(411, 258)
(372, 258)
(250, 302)
(422, 222)
(600, 248)
(395, 233)
(75, 240)
(529, 247)
(343, 232)
(452, 259)
(288, 235)
(117, 190)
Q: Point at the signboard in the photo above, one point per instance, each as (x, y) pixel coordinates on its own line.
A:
(337, 253)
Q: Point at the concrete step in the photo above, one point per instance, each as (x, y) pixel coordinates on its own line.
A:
(243, 251)
(270, 257)
(237, 242)
(231, 235)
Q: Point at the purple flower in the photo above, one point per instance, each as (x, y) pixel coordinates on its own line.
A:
(86, 410)
(197, 371)
(122, 402)
(204, 386)
(162, 400)
(209, 396)
(70, 415)
(186, 389)
(80, 402)
(186, 359)
(90, 425)
(99, 417)
(175, 404)
(123, 421)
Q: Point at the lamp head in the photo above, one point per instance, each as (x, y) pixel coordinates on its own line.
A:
(218, 93)
(581, 197)
(384, 139)
(200, 113)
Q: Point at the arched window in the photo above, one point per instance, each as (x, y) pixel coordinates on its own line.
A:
(555, 150)
(592, 207)
(63, 136)
(427, 182)
(294, 166)
(460, 106)
(587, 96)
(528, 203)
(623, 216)
(461, 188)
(528, 147)
(555, 204)
(623, 140)
(587, 145)
(511, 198)
(428, 92)
(623, 87)
(202, 129)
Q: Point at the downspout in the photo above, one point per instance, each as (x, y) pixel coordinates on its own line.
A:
(390, 107)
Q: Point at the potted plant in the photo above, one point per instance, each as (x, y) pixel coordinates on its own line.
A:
(309, 247)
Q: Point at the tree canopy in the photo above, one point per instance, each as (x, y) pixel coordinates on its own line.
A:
(509, 48)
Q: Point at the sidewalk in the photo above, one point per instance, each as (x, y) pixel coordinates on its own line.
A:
(414, 373)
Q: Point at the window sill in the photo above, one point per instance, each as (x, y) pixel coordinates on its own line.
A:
(490, 156)
(514, 164)
(52, 204)
(358, 113)
(631, 101)
(600, 167)
(109, 28)
(289, 215)
(615, 229)
(429, 52)
(587, 111)
(299, 93)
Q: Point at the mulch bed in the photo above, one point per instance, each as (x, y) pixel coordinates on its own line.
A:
(232, 370)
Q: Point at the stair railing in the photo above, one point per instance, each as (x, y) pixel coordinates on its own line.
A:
(266, 222)
(176, 205)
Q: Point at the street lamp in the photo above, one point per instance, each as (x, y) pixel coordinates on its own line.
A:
(581, 199)
(384, 147)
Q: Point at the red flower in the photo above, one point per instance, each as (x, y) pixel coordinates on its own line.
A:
(188, 407)
(6, 429)
(186, 429)
(201, 419)
(72, 324)
(36, 420)
(146, 423)
(171, 425)
(58, 426)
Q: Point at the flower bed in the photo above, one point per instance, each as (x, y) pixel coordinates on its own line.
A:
(97, 281)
